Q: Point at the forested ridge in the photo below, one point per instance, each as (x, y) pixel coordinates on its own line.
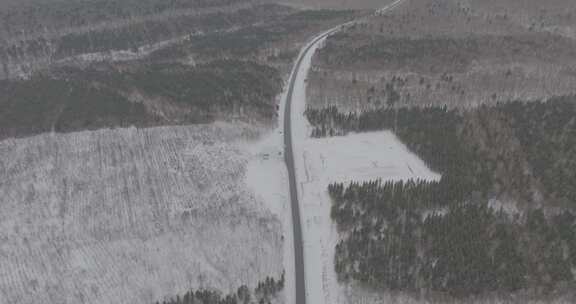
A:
(149, 32)
(443, 54)
(239, 30)
(137, 35)
(29, 16)
(501, 219)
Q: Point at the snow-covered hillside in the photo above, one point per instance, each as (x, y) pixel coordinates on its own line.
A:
(132, 216)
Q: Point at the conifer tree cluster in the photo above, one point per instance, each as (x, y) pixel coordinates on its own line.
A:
(446, 236)
(396, 239)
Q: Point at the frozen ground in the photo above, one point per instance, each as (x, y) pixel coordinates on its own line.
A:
(319, 162)
(132, 216)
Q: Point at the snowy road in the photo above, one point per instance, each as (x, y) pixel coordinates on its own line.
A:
(295, 103)
(299, 71)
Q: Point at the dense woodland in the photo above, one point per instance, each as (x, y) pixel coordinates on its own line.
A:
(104, 96)
(440, 54)
(226, 67)
(135, 35)
(449, 235)
(225, 29)
(29, 16)
(450, 52)
(394, 240)
(263, 294)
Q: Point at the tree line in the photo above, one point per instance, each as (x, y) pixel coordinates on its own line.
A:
(264, 292)
(449, 235)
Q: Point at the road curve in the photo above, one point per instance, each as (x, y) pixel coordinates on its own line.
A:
(300, 282)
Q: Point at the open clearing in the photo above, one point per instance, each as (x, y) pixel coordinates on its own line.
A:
(362, 157)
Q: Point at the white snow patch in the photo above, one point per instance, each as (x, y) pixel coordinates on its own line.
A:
(507, 206)
(362, 157)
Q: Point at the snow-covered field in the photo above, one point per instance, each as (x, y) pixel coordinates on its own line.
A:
(361, 157)
(319, 162)
(132, 216)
